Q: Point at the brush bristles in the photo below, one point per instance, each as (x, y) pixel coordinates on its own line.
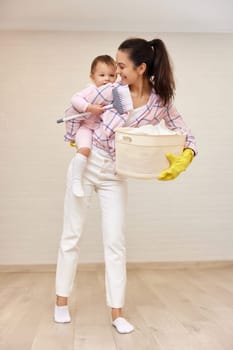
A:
(122, 100)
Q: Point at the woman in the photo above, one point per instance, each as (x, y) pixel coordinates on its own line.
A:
(144, 66)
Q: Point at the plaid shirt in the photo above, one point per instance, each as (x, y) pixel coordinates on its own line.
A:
(152, 113)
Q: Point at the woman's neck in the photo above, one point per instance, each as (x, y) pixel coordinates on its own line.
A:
(140, 93)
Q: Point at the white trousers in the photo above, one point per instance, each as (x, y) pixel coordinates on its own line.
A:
(112, 191)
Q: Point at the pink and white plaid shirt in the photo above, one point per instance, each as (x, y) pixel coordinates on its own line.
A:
(152, 113)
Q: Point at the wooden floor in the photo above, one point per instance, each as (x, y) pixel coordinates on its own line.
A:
(183, 309)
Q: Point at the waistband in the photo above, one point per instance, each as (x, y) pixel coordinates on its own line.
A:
(101, 152)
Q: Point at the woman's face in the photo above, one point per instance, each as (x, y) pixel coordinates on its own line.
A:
(128, 72)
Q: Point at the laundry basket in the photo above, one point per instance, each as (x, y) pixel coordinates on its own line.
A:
(143, 156)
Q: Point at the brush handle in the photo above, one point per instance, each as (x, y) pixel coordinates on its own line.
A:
(79, 115)
(65, 119)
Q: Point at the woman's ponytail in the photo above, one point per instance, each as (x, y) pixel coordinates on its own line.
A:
(161, 71)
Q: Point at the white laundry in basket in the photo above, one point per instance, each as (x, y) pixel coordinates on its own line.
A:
(158, 129)
(141, 152)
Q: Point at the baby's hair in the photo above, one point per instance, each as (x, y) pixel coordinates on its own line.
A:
(103, 59)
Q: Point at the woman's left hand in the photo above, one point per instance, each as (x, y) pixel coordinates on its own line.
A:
(177, 164)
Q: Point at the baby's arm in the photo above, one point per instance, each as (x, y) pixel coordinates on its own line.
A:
(80, 104)
(92, 99)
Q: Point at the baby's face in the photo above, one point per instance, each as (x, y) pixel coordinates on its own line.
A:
(103, 74)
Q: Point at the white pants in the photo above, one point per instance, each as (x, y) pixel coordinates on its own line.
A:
(112, 192)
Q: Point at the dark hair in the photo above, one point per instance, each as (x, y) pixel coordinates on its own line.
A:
(159, 71)
(104, 59)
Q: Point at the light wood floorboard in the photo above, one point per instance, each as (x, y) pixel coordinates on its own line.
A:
(177, 309)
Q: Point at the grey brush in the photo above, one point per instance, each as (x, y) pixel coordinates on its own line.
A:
(122, 102)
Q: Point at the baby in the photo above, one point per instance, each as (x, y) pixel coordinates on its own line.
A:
(103, 71)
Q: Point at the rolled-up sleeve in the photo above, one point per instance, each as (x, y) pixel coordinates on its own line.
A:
(174, 121)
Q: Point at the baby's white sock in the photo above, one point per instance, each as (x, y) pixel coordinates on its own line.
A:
(61, 314)
(122, 325)
(79, 165)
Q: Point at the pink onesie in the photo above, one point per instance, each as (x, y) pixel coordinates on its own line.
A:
(84, 126)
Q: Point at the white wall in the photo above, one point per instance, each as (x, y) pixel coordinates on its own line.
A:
(189, 219)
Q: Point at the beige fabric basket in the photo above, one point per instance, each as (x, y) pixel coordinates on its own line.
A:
(144, 156)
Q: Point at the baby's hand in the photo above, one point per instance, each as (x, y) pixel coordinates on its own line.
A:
(95, 109)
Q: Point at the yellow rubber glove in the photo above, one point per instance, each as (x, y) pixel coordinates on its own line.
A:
(177, 164)
(72, 144)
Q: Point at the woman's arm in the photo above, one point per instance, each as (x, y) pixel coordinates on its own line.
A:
(174, 121)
